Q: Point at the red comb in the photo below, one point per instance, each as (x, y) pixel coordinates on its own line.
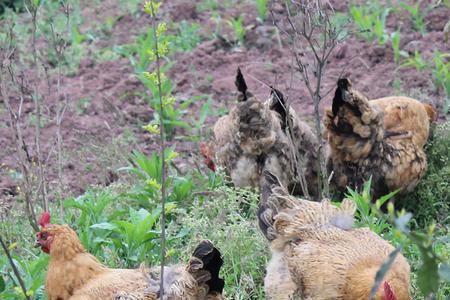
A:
(44, 220)
(388, 292)
(204, 149)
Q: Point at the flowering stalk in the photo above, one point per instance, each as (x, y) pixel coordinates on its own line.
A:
(151, 8)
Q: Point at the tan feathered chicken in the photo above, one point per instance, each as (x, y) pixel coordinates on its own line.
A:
(74, 274)
(316, 254)
(382, 138)
(252, 137)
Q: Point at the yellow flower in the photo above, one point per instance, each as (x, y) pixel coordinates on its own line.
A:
(169, 100)
(151, 7)
(12, 246)
(153, 183)
(162, 27)
(170, 206)
(163, 48)
(152, 128)
(19, 291)
(171, 156)
(170, 252)
(152, 76)
(151, 55)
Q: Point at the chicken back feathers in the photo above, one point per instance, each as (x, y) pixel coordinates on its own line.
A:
(382, 139)
(317, 255)
(252, 137)
(199, 280)
(74, 274)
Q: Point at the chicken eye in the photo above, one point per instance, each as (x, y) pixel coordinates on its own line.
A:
(44, 236)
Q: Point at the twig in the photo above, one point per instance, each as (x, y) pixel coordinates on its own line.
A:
(42, 187)
(14, 124)
(59, 46)
(16, 272)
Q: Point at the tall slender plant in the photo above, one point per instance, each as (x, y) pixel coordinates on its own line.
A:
(159, 50)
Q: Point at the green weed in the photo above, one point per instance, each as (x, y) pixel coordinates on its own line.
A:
(441, 74)
(261, 6)
(238, 29)
(417, 16)
(371, 22)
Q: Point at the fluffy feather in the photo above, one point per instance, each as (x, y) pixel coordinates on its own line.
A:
(314, 259)
(198, 280)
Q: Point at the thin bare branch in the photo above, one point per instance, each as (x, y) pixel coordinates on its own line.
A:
(310, 25)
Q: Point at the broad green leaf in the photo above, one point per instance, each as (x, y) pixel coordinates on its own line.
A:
(104, 226)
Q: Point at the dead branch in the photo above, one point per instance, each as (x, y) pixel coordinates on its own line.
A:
(42, 187)
(313, 37)
(24, 159)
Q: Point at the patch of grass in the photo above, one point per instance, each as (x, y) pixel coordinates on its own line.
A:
(187, 36)
(417, 15)
(238, 29)
(207, 5)
(371, 22)
(261, 6)
(230, 215)
(430, 200)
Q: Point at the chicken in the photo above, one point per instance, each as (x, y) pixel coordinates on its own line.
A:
(199, 280)
(382, 139)
(207, 152)
(253, 137)
(317, 254)
(403, 114)
(74, 274)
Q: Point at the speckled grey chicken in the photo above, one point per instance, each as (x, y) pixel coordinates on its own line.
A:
(199, 280)
(253, 137)
(382, 139)
(317, 254)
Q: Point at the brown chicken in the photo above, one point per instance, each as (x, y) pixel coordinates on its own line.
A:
(253, 137)
(316, 254)
(74, 274)
(382, 139)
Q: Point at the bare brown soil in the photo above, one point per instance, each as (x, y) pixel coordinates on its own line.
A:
(98, 138)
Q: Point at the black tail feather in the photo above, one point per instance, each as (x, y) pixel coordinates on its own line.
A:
(212, 262)
(241, 85)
